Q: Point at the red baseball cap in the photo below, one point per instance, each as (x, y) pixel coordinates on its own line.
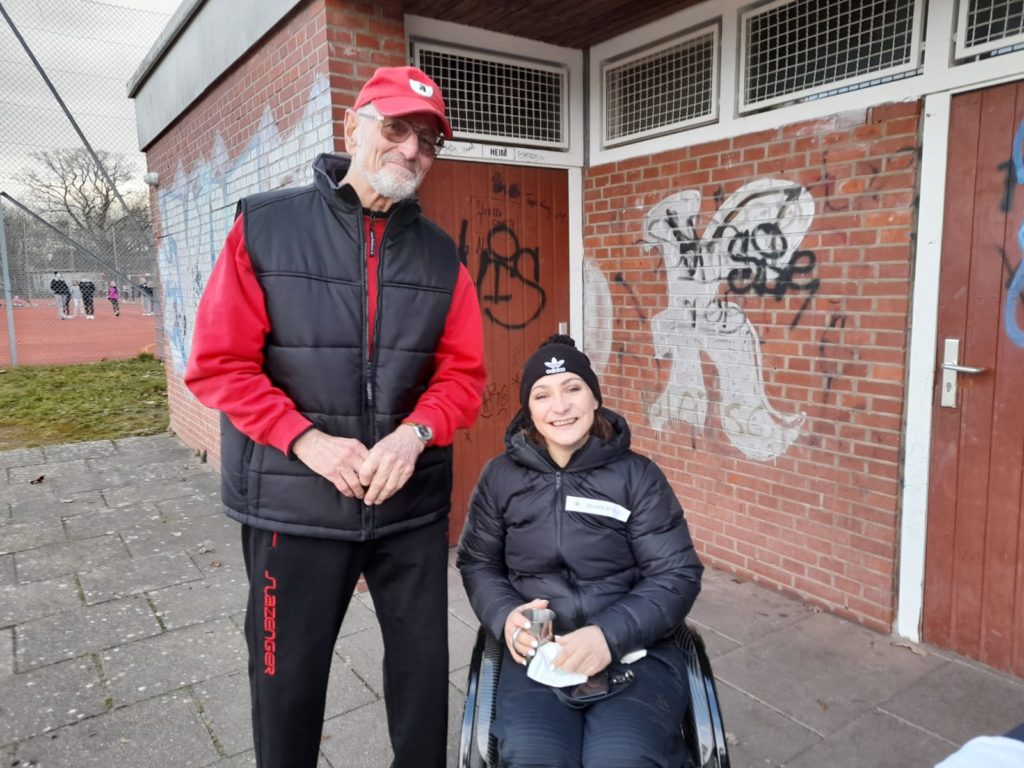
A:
(401, 91)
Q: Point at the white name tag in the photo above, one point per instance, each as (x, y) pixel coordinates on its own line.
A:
(597, 507)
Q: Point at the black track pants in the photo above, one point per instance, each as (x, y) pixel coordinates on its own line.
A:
(299, 590)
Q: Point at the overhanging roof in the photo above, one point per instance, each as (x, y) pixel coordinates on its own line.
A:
(567, 24)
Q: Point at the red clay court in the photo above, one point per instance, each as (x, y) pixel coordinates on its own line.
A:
(44, 339)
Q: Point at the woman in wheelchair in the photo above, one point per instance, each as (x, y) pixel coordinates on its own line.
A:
(569, 518)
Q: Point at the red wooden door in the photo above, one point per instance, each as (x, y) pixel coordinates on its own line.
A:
(974, 568)
(511, 223)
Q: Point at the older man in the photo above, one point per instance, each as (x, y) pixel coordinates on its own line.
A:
(341, 338)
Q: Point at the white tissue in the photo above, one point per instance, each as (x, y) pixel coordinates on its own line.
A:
(543, 671)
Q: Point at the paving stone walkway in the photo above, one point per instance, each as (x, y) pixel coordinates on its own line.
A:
(121, 604)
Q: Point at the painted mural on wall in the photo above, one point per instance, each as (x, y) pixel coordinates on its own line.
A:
(197, 207)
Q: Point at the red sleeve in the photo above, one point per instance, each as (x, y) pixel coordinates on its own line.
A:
(225, 367)
(453, 398)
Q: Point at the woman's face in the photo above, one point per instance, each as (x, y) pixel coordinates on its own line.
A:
(562, 408)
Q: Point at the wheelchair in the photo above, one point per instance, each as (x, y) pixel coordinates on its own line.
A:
(702, 727)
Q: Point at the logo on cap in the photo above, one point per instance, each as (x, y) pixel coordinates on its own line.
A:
(422, 89)
(554, 365)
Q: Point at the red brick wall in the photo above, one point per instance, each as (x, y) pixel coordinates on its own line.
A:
(363, 36)
(812, 510)
(224, 147)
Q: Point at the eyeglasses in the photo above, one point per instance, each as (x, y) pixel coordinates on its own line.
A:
(396, 130)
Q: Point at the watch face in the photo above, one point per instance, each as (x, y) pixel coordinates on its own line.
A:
(423, 432)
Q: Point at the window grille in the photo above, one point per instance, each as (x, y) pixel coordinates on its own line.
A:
(500, 100)
(794, 49)
(984, 26)
(662, 89)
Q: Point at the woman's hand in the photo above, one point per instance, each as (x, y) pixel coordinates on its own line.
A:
(584, 651)
(521, 643)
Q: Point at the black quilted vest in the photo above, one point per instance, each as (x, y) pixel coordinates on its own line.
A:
(308, 249)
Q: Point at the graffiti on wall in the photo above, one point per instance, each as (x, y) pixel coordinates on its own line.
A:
(752, 244)
(197, 207)
(1016, 290)
(508, 275)
(508, 279)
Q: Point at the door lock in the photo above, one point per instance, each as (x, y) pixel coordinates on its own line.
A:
(950, 368)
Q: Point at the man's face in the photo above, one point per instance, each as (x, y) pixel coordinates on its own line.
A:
(392, 168)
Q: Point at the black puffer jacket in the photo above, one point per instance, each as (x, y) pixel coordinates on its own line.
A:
(527, 537)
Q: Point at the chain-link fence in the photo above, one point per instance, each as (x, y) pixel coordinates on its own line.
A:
(80, 280)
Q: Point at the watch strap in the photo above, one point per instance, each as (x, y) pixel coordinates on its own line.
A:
(423, 432)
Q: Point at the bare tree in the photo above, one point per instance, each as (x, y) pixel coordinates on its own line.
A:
(70, 191)
(67, 182)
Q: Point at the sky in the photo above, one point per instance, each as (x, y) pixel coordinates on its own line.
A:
(89, 49)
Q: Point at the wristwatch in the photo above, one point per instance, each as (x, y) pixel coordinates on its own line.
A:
(423, 432)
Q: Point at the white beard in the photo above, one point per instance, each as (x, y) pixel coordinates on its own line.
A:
(394, 186)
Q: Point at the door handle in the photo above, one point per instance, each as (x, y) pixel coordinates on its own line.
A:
(962, 369)
(950, 368)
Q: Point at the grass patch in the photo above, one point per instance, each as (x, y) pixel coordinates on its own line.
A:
(48, 404)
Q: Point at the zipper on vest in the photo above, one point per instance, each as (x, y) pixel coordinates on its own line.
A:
(378, 250)
(368, 372)
(368, 368)
(366, 519)
(372, 245)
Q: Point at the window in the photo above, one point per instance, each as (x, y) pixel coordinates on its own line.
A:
(662, 89)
